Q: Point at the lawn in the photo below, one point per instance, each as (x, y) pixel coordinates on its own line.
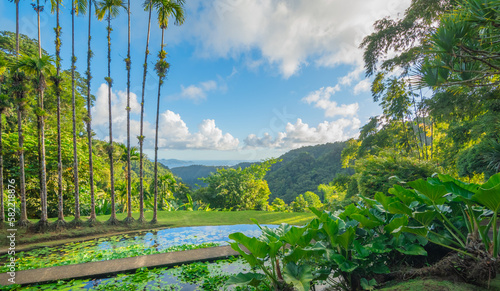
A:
(165, 219)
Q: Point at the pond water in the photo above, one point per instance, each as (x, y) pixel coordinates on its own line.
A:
(131, 245)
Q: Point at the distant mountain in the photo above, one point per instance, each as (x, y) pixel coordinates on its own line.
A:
(299, 171)
(304, 169)
(190, 174)
(174, 163)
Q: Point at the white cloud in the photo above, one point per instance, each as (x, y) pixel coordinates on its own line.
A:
(363, 86)
(198, 92)
(289, 34)
(301, 134)
(321, 99)
(173, 132)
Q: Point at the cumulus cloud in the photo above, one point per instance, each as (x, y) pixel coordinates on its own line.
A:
(363, 86)
(288, 34)
(173, 133)
(301, 134)
(198, 92)
(322, 99)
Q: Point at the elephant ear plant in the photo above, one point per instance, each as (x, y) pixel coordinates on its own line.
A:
(280, 257)
(452, 214)
(349, 248)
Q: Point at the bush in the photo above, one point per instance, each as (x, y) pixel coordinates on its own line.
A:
(374, 172)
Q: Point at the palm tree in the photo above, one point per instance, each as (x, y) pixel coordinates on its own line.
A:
(80, 7)
(147, 6)
(57, 85)
(165, 8)
(111, 8)
(40, 68)
(19, 90)
(93, 219)
(128, 63)
(19, 93)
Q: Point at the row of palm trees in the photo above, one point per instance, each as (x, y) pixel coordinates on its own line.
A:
(40, 68)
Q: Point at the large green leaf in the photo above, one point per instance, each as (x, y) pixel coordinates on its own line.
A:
(396, 225)
(245, 279)
(297, 254)
(399, 208)
(433, 192)
(492, 182)
(300, 276)
(420, 231)
(489, 197)
(250, 258)
(256, 247)
(361, 251)
(413, 250)
(426, 217)
(293, 235)
(346, 239)
(365, 222)
(344, 264)
(406, 196)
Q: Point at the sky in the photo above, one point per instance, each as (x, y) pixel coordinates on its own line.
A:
(248, 79)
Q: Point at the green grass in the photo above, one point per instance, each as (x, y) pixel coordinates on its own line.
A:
(165, 219)
(435, 284)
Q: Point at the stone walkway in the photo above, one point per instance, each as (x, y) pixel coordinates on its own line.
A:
(106, 268)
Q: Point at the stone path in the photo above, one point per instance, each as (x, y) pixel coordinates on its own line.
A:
(105, 268)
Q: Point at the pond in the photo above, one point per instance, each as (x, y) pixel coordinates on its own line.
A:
(195, 276)
(131, 245)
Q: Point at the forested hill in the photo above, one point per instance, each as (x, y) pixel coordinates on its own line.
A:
(299, 171)
(304, 169)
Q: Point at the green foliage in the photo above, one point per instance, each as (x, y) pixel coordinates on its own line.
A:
(312, 200)
(279, 205)
(237, 189)
(447, 212)
(299, 204)
(374, 173)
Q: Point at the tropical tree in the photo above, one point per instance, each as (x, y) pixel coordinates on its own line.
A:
(57, 86)
(3, 107)
(128, 62)
(77, 7)
(110, 9)
(93, 219)
(39, 68)
(166, 9)
(464, 48)
(147, 6)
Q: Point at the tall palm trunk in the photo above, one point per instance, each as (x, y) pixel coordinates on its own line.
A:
(112, 219)
(23, 221)
(129, 218)
(43, 181)
(2, 208)
(77, 220)
(141, 137)
(160, 82)
(57, 83)
(93, 219)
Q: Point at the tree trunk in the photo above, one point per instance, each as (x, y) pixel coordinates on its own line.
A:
(60, 217)
(160, 81)
(92, 220)
(112, 220)
(129, 218)
(2, 209)
(141, 137)
(22, 189)
(44, 220)
(73, 104)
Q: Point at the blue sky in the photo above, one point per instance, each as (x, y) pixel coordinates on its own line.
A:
(249, 79)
